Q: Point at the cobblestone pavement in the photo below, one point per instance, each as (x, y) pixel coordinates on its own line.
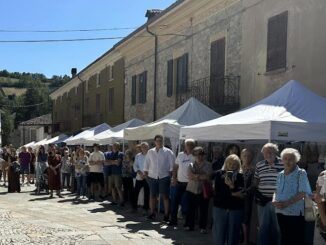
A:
(26, 218)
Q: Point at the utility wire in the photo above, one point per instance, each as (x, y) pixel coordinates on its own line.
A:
(74, 30)
(23, 106)
(60, 40)
(82, 39)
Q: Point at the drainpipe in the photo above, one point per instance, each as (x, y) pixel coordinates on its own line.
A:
(155, 70)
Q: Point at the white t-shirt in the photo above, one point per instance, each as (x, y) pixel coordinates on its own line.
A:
(183, 160)
(96, 156)
(160, 163)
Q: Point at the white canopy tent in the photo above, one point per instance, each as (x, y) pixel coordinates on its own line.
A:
(191, 112)
(39, 143)
(292, 113)
(30, 144)
(56, 140)
(113, 134)
(81, 138)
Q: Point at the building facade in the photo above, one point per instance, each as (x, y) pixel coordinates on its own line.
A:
(227, 54)
(35, 129)
(92, 97)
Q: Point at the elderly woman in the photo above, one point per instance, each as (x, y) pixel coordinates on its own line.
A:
(228, 202)
(288, 200)
(321, 203)
(199, 173)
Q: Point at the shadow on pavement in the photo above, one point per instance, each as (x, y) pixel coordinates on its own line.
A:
(137, 223)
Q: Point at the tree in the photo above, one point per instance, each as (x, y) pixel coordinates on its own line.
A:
(35, 102)
(7, 127)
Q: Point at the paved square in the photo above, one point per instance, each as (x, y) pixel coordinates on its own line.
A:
(26, 218)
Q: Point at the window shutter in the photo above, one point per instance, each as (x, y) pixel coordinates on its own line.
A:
(98, 103)
(277, 42)
(133, 90)
(185, 73)
(111, 99)
(142, 87)
(169, 84)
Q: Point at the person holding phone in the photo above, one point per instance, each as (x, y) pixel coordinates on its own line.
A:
(228, 202)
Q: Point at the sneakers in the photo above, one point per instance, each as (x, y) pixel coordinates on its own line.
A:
(173, 223)
(166, 218)
(203, 231)
(151, 217)
(187, 228)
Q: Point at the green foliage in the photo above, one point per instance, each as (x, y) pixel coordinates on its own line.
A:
(7, 126)
(21, 80)
(37, 93)
(38, 89)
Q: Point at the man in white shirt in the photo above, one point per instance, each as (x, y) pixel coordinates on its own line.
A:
(158, 168)
(140, 177)
(96, 161)
(180, 178)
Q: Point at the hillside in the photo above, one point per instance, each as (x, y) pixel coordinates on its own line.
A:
(21, 80)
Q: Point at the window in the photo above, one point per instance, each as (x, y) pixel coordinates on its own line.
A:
(182, 74)
(133, 89)
(98, 81)
(33, 135)
(111, 75)
(98, 103)
(142, 87)
(277, 42)
(169, 85)
(77, 109)
(111, 99)
(87, 104)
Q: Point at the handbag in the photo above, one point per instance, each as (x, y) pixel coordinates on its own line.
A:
(310, 207)
(207, 190)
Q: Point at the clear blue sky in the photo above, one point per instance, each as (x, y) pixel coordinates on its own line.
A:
(58, 58)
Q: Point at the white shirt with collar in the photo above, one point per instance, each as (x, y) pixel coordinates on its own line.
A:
(96, 156)
(183, 161)
(159, 164)
(139, 164)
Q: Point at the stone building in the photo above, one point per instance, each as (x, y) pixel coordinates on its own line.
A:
(93, 96)
(226, 53)
(35, 129)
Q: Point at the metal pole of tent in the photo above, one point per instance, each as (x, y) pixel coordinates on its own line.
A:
(159, 194)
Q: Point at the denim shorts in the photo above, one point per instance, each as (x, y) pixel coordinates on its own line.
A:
(24, 169)
(159, 186)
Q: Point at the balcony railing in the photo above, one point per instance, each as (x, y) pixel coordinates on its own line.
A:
(220, 94)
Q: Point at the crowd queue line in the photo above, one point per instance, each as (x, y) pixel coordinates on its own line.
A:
(276, 186)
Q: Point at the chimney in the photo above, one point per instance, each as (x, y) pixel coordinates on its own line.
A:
(73, 72)
(150, 13)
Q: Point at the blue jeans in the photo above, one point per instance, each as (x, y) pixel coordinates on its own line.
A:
(81, 185)
(269, 231)
(226, 226)
(177, 199)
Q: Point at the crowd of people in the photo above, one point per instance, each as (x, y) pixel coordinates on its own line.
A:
(220, 192)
